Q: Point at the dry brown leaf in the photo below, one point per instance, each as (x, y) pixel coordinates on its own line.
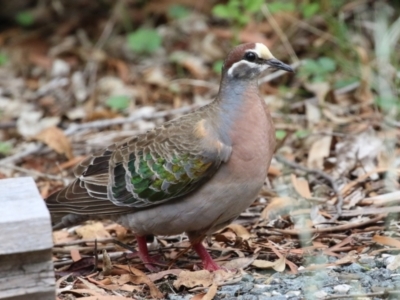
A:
(239, 263)
(93, 231)
(87, 291)
(68, 164)
(75, 255)
(62, 236)
(121, 67)
(240, 231)
(124, 278)
(206, 278)
(274, 171)
(278, 206)
(386, 240)
(56, 140)
(319, 151)
(212, 291)
(91, 286)
(130, 288)
(278, 265)
(138, 277)
(119, 230)
(301, 186)
(350, 257)
(157, 276)
(190, 279)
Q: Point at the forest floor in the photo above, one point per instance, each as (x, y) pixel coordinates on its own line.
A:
(78, 76)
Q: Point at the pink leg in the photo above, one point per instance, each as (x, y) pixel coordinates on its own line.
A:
(208, 263)
(144, 254)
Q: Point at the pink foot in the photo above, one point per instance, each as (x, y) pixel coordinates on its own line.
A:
(145, 256)
(208, 263)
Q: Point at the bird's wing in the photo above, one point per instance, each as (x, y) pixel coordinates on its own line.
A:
(150, 169)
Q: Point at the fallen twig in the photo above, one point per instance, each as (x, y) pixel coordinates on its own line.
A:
(330, 229)
(81, 249)
(33, 173)
(113, 255)
(31, 149)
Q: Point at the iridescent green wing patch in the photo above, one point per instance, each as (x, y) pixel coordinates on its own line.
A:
(153, 179)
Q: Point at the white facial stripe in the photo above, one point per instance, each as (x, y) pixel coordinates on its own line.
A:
(262, 51)
(236, 64)
(249, 64)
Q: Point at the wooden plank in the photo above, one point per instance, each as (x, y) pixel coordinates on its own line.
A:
(26, 267)
(25, 221)
(27, 274)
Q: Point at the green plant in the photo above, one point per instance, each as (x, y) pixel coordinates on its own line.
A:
(25, 18)
(310, 9)
(280, 134)
(177, 11)
(5, 148)
(144, 40)
(280, 6)
(318, 70)
(119, 102)
(217, 66)
(240, 12)
(3, 59)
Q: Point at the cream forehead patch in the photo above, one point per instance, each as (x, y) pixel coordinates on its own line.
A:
(263, 51)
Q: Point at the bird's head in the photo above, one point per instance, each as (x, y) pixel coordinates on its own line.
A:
(248, 61)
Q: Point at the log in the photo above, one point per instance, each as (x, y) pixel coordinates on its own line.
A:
(26, 267)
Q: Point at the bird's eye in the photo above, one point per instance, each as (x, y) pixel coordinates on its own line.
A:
(250, 56)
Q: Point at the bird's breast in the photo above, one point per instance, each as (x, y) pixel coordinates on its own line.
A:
(253, 142)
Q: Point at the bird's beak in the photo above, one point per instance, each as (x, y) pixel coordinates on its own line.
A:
(277, 64)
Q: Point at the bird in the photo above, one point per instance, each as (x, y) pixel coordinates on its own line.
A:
(194, 174)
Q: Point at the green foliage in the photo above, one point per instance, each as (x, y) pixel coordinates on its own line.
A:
(144, 40)
(118, 102)
(25, 18)
(238, 12)
(280, 134)
(310, 9)
(5, 148)
(177, 11)
(3, 59)
(280, 6)
(318, 70)
(387, 104)
(217, 66)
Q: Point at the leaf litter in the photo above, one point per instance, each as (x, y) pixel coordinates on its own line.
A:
(70, 97)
